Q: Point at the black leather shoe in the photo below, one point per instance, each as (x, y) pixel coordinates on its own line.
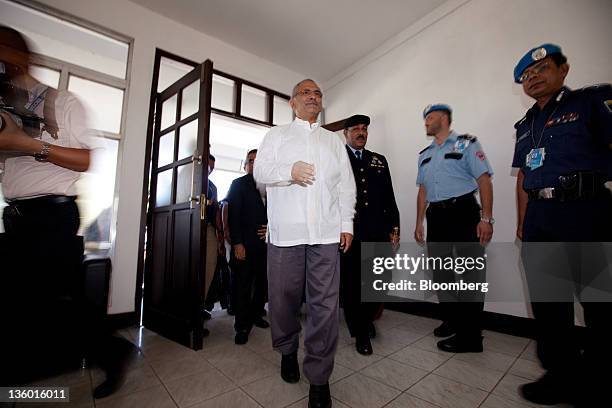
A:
(319, 397)
(242, 337)
(372, 331)
(446, 329)
(461, 345)
(123, 355)
(363, 345)
(290, 369)
(261, 323)
(546, 391)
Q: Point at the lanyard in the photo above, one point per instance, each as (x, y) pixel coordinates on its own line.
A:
(37, 100)
(558, 98)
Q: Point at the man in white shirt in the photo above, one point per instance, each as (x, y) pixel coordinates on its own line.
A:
(44, 148)
(311, 203)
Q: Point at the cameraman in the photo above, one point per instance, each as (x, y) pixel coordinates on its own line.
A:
(45, 144)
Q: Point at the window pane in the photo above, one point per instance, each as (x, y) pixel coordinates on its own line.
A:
(191, 100)
(45, 75)
(223, 180)
(164, 188)
(166, 150)
(222, 93)
(96, 190)
(103, 103)
(171, 71)
(66, 41)
(183, 183)
(282, 111)
(168, 112)
(253, 103)
(188, 139)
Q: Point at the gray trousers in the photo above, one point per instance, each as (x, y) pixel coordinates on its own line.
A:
(290, 270)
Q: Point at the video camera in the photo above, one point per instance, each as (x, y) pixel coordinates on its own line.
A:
(13, 100)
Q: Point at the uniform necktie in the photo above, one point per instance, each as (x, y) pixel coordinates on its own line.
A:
(358, 154)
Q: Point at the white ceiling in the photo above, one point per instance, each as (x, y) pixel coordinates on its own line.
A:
(317, 38)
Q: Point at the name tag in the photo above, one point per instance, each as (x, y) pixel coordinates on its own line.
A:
(535, 158)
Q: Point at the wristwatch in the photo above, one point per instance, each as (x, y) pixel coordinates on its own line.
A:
(490, 220)
(43, 155)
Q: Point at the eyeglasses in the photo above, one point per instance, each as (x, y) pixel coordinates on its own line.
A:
(538, 69)
(309, 92)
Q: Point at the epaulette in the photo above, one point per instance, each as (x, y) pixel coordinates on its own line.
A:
(594, 88)
(470, 138)
(425, 149)
(520, 122)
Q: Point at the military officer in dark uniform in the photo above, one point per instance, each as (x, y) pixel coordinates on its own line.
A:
(563, 152)
(450, 171)
(376, 220)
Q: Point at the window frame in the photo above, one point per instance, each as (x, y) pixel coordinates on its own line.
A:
(66, 69)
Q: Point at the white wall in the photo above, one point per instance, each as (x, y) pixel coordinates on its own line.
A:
(151, 30)
(463, 54)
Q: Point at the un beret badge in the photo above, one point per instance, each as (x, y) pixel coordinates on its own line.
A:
(538, 54)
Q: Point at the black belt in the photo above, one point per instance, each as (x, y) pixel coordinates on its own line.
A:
(574, 186)
(452, 201)
(41, 201)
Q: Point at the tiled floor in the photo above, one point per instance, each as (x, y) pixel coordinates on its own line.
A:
(406, 370)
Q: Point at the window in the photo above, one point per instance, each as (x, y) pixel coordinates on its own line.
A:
(94, 67)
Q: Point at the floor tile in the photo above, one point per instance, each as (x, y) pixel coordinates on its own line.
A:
(246, 370)
(447, 393)
(406, 400)
(136, 380)
(156, 397)
(493, 401)
(303, 403)
(350, 358)
(527, 369)
(168, 370)
(234, 399)
(389, 341)
(470, 374)
(530, 352)
(508, 389)
(198, 387)
(423, 359)
(504, 343)
(394, 373)
(273, 392)
(359, 391)
(488, 359)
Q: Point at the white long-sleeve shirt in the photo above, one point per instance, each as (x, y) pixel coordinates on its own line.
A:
(311, 214)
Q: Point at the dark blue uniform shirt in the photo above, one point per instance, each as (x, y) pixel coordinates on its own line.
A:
(574, 128)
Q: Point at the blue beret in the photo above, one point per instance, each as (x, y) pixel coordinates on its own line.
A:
(436, 107)
(534, 55)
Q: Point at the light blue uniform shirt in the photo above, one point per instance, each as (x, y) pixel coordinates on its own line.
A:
(450, 170)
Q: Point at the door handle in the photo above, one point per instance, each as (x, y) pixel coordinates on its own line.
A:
(193, 199)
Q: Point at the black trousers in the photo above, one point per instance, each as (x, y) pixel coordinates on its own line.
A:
(560, 350)
(251, 288)
(42, 286)
(451, 232)
(358, 315)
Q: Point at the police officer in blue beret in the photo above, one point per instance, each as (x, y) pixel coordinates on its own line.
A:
(450, 170)
(376, 219)
(563, 153)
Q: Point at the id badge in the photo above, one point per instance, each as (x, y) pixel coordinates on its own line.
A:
(535, 158)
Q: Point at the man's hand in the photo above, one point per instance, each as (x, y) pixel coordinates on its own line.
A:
(12, 138)
(419, 234)
(395, 240)
(484, 231)
(345, 241)
(262, 231)
(302, 173)
(519, 231)
(240, 252)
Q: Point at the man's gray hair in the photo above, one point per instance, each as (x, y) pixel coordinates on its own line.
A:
(296, 87)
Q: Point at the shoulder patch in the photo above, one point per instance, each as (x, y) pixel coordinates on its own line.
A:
(424, 150)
